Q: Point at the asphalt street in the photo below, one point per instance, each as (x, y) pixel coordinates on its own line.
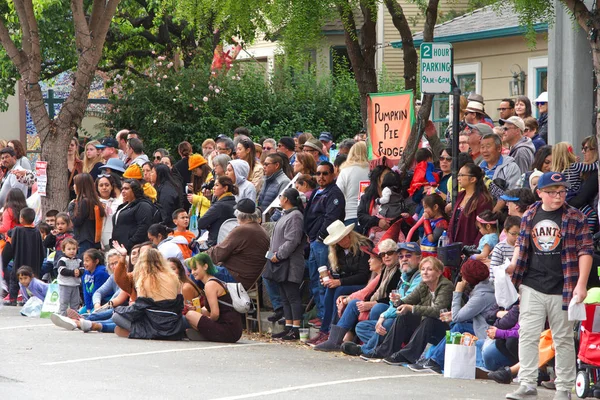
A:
(41, 361)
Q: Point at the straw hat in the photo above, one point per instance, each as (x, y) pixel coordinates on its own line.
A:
(476, 107)
(337, 231)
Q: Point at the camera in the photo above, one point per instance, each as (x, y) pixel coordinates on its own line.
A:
(208, 185)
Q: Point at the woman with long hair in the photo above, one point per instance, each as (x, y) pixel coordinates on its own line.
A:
(108, 187)
(565, 162)
(74, 164)
(349, 269)
(15, 202)
(169, 193)
(157, 311)
(185, 150)
(87, 214)
(471, 201)
(159, 235)
(217, 320)
(132, 218)
(286, 266)
(220, 210)
(188, 288)
(446, 171)
(92, 159)
(523, 107)
(22, 160)
(201, 174)
(368, 222)
(542, 162)
(246, 151)
(352, 172)
(305, 163)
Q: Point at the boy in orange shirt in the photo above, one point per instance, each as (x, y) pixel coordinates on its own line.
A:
(182, 236)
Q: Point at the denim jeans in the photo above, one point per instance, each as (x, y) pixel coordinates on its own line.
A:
(350, 315)
(317, 258)
(331, 296)
(365, 330)
(273, 291)
(493, 359)
(438, 352)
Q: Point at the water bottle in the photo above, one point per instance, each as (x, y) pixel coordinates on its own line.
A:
(443, 241)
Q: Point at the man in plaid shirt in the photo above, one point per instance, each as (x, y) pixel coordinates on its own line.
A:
(551, 265)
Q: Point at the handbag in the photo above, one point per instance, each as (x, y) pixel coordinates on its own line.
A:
(504, 290)
(51, 301)
(459, 362)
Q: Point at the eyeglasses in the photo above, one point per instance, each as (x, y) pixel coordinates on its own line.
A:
(221, 149)
(405, 255)
(513, 233)
(266, 164)
(504, 109)
(445, 158)
(324, 173)
(555, 193)
(387, 253)
(508, 128)
(461, 175)
(267, 148)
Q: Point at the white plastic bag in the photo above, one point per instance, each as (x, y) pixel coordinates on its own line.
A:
(459, 361)
(576, 310)
(51, 302)
(505, 292)
(32, 308)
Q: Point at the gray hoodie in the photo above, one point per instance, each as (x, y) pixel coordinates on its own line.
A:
(509, 171)
(523, 153)
(246, 188)
(481, 299)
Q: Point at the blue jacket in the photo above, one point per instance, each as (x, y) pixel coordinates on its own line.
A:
(325, 206)
(405, 287)
(91, 283)
(537, 142)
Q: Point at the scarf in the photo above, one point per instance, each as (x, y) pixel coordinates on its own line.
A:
(386, 277)
(225, 195)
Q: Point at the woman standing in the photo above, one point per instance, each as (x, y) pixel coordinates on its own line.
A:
(246, 151)
(220, 210)
(74, 165)
(185, 150)
(87, 213)
(446, 174)
(286, 266)
(132, 218)
(220, 164)
(92, 159)
(352, 172)
(201, 174)
(523, 107)
(471, 202)
(22, 160)
(15, 202)
(217, 321)
(305, 164)
(237, 171)
(168, 193)
(108, 186)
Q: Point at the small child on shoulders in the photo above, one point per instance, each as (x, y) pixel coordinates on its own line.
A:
(506, 247)
(487, 223)
(31, 286)
(70, 271)
(181, 235)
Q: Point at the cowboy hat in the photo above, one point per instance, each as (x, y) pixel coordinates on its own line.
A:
(337, 231)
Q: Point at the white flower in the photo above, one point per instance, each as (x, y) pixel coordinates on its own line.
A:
(169, 65)
(165, 76)
(158, 84)
(154, 121)
(210, 87)
(217, 90)
(205, 99)
(176, 87)
(161, 58)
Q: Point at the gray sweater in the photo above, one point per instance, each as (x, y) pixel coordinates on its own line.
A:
(109, 287)
(480, 301)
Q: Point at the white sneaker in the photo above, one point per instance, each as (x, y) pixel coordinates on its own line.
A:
(524, 392)
(63, 322)
(85, 325)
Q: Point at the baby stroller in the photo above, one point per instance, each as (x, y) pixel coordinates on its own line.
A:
(587, 383)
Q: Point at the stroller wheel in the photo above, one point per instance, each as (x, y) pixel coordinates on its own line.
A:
(582, 384)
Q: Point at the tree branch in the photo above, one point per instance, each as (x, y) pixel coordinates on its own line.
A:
(35, 56)
(352, 45)
(25, 30)
(96, 15)
(583, 16)
(17, 57)
(83, 39)
(104, 23)
(409, 53)
(430, 19)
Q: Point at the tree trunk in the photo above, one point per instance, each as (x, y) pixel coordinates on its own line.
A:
(361, 49)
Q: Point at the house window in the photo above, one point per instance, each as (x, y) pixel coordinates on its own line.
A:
(537, 78)
(339, 60)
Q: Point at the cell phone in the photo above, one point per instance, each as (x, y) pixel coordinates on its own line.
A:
(269, 255)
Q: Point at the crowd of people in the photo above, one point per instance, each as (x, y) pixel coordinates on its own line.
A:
(154, 233)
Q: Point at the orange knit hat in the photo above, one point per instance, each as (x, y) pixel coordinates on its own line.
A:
(195, 161)
(134, 171)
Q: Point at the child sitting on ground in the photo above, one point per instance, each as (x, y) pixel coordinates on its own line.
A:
(182, 236)
(487, 223)
(30, 285)
(506, 247)
(93, 278)
(70, 271)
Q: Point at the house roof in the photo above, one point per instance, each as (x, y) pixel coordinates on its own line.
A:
(484, 23)
(336, 27)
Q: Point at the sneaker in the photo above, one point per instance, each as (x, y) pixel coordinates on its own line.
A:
(549, 385)
(281, 334)
(503, 375)
(63, 322)
(312, 321)
(562, 395)
(431, 365)
(316, 324)
(276, 315)
(371, 358)
(524, 392)
(351, 349)
(85, 325)
(419, 366)
(292, 336)
(11, 303)
(320, 338)
(396, 359)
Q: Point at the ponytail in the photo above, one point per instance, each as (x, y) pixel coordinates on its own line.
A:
(294, 197)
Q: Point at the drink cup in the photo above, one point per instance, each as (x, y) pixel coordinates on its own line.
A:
(304, 335)
(324, 273)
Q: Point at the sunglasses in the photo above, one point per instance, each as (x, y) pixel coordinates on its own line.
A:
(157, 157)
(445, 158)
(325, 173)
(387, 253)
(267, 148)
(103, 175)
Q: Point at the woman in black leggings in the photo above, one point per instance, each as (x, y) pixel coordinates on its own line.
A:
(286, 266)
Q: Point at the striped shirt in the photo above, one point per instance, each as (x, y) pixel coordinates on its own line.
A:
(501, 252)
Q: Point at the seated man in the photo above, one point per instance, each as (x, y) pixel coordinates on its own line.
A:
(242, 254)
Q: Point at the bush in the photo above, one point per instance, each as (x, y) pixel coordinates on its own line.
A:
(173, 106)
